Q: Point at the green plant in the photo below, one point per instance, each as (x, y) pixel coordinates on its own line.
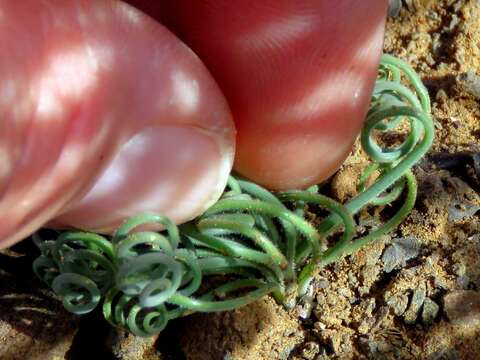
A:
(254, 241)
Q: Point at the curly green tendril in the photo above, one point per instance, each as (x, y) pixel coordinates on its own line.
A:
(252, 242)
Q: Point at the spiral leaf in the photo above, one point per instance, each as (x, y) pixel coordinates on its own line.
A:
(258, 242)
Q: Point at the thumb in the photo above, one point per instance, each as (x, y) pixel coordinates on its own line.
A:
(104, 114)
(298, 76)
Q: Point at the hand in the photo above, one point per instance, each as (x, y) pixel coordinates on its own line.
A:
(105, 113)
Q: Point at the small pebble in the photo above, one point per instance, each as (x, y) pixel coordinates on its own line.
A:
(397, 254)
(398, 303)
(416, 303)
(369, 305)
(370, 273)
(335, 342)
(352, 279)
(471, 82)
(429, 311)
(366, 325)
(310, 350)
(346, 293)
(363, 290)
(322, 284)
(456, 123)
(432, 15)
(305, 304)
(459, 210)
(394, 7)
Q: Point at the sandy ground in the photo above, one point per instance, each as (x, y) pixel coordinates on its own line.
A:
(413, 294)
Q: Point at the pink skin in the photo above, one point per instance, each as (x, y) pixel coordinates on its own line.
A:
(109, 114)
(298, 76)
(86, 83)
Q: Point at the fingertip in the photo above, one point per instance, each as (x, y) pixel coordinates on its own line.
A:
(298, 77)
